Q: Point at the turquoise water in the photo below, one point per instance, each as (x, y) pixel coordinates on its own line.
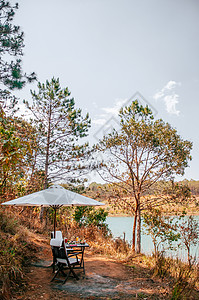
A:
(121, 225)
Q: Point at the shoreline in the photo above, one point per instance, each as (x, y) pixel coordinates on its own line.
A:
(172, 215)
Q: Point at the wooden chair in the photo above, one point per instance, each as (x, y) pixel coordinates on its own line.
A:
(65, 259)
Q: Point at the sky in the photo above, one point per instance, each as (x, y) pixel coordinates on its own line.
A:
(109, 52)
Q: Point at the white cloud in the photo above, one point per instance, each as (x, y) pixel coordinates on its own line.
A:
(170, 99)
(158, 95)
(101, 119)
(170, 85)
(115, 109)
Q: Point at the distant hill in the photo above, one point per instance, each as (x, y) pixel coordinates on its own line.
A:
(99, 190)
(104, 192)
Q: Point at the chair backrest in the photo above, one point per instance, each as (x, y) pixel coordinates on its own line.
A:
(56, 242)
(58, 235)
(57, 248)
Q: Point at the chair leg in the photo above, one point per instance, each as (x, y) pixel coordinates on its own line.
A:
(64, 274)
(56, 273)
(66, 277)
(74, 275)
(60, 269)
(53, 264)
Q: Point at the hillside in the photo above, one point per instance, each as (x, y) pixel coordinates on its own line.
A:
(107, 194)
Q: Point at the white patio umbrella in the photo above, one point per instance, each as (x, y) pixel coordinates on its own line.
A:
(55, 196)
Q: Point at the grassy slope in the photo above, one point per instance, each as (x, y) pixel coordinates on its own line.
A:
(17, 249)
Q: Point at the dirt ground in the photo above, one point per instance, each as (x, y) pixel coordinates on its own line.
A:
(105, 278)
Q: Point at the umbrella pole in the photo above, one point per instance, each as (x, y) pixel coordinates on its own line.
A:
(55, 209)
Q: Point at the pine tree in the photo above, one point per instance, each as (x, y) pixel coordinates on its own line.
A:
(59, 125)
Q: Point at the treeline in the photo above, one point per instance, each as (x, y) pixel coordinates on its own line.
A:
(193, 185)
(104, 191)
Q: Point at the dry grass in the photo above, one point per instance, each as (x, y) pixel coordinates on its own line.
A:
(16, 251)
(183, 278)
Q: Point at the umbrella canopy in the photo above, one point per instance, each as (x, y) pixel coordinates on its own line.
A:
(55, 196)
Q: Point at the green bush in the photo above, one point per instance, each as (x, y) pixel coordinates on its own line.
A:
(88, 215)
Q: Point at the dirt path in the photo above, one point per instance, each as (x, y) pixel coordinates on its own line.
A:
(104, 279)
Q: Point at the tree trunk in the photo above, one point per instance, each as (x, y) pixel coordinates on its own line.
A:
(41, 215)
(138, 246)
(134, 231)
(189, 256)
(47, 160)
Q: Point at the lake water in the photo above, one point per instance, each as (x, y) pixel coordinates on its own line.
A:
(119, 225)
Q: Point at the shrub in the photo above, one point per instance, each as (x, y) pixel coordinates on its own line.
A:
(15, 251)
(88, 215)
(7, 224)
(10, 265)
(186, 280)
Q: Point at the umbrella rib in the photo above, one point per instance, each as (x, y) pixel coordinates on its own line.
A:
(56, 206)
